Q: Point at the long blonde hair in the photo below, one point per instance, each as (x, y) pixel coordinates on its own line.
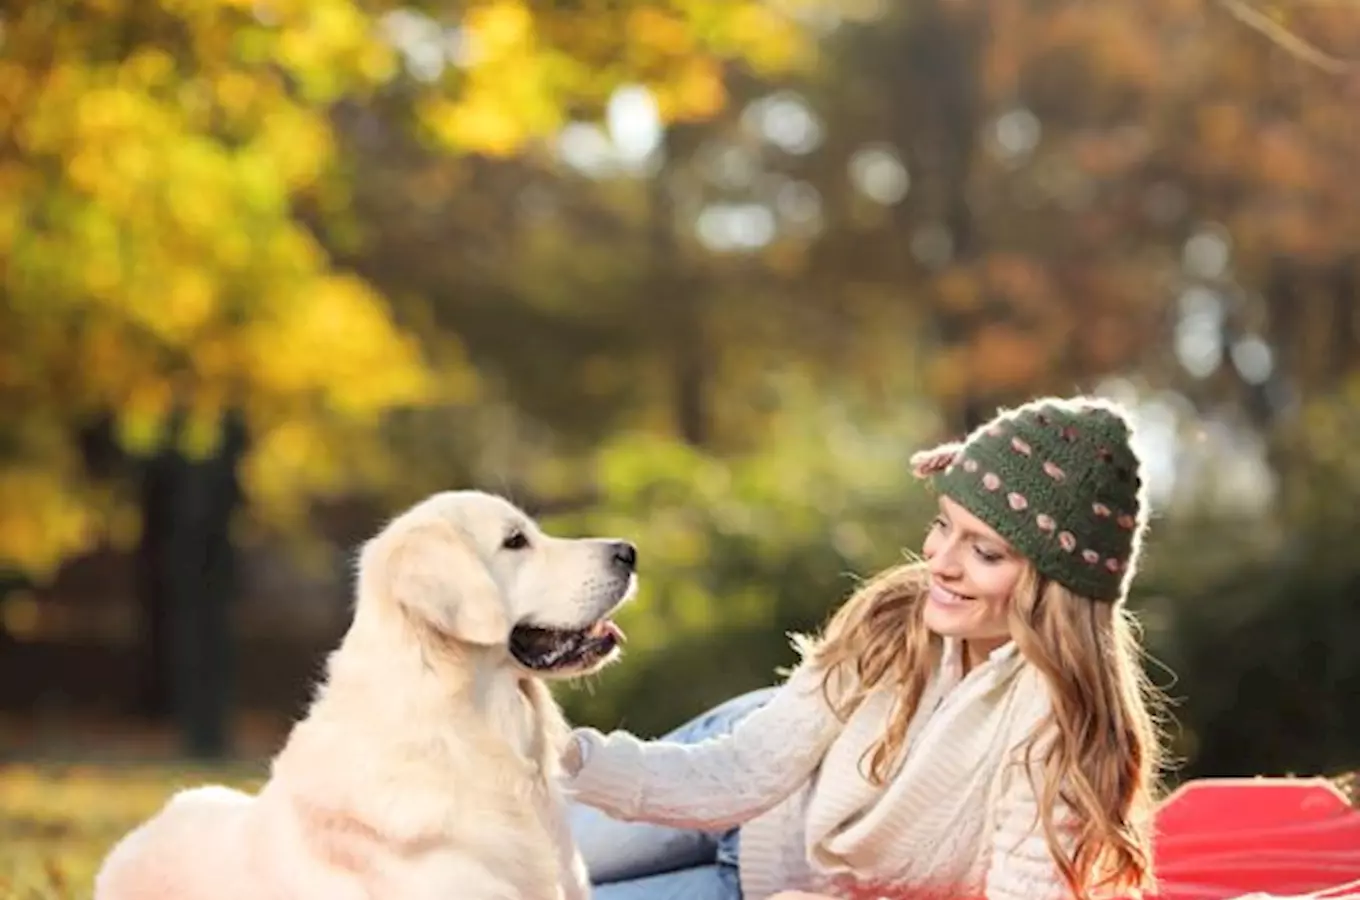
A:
(1100, 749)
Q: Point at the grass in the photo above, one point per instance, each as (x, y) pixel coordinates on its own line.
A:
(57, 822)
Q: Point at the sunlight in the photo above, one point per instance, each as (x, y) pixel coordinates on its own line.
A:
(634, 124)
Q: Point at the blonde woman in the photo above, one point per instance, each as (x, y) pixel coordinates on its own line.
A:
(975, 724)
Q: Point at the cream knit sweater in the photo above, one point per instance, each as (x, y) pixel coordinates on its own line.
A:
(957, 821)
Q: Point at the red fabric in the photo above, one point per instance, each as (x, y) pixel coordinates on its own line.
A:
(1221, 838)
(1225, 839)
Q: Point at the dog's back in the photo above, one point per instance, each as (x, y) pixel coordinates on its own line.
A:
(188, 851)
(470, 820)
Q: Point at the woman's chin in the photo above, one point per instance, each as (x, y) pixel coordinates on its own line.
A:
(950, 620)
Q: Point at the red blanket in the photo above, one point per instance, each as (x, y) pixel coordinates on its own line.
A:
(1224, 838)
(1244, 839)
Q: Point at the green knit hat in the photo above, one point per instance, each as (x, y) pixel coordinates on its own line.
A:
(1057, 479)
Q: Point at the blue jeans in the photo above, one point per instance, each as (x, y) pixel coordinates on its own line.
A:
(641, 861)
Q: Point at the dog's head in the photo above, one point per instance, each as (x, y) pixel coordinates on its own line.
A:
(476, 570)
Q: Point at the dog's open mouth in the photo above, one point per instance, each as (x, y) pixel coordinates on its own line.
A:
(564, 650)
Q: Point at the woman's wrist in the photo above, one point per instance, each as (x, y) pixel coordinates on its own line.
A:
(576, 752)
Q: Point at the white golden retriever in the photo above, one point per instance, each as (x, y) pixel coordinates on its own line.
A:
(425, 768)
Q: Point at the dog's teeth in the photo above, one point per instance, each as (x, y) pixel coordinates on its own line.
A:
(605, 628)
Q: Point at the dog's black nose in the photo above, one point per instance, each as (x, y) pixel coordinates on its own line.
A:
(625, 554)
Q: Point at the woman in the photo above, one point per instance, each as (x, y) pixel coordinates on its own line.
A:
(975, 724)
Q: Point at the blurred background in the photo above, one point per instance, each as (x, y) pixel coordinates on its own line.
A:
(700, 273)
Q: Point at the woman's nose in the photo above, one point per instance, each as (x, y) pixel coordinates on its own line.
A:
(942, 559)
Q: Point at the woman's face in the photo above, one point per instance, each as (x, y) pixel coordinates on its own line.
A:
(973, 573)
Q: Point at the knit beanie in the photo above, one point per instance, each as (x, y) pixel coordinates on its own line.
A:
(1059, 481)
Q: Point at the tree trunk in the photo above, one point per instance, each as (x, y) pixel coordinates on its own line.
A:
(680, 299)
(941, 58)
(1345, 334)
(187, 584)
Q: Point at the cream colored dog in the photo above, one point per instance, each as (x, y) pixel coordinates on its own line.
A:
(425, 768)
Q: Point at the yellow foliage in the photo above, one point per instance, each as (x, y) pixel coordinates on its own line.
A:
(524, 68)
(143, 414)
(335, 339)
(697, 92)
(510, 94)
(291, 456)
(40, 520)
(499, 29)
(155, 270)
(164, 269)
(761, 35)
(659, 31)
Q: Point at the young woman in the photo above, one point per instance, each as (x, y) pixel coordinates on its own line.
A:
(975, 724)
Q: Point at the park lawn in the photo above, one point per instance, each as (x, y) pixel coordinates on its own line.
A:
(57, 822)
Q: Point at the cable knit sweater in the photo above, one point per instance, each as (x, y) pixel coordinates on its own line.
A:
(959, 819)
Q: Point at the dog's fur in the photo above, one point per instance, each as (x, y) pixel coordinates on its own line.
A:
(425, 768)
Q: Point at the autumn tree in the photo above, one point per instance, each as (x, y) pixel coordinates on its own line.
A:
(176, 333)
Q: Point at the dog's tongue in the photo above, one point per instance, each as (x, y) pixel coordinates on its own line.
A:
(607, 628)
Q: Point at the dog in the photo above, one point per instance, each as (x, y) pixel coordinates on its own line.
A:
(426, 766)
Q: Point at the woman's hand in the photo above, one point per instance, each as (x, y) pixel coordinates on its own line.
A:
(571, 755)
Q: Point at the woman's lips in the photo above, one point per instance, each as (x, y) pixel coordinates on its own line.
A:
(945, 597)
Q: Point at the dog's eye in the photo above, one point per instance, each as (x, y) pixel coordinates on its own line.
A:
(515, 540)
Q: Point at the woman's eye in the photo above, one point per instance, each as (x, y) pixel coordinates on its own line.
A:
(515, 541)
(987, 556)
(937, 522)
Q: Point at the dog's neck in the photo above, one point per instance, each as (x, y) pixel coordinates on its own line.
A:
(425, 716)
(444, 681)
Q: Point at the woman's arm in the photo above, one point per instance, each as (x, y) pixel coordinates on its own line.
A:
(720, 782)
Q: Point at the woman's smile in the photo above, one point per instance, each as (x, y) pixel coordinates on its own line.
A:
(943, 596)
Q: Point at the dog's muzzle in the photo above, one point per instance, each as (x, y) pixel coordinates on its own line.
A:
(557, 650)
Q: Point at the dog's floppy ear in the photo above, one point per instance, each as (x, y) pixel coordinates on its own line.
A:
(435, 573)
